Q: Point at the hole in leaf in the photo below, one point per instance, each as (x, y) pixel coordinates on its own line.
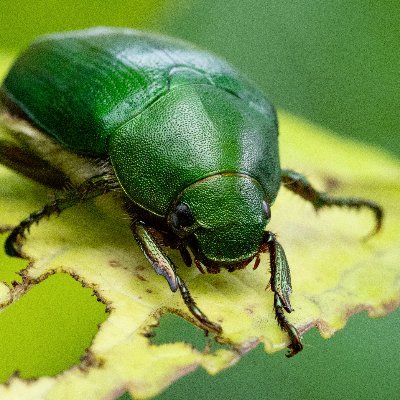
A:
(125, 396)
(173, 328)
(9, 266)
(48, 329)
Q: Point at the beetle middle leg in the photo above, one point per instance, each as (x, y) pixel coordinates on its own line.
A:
(164, 266)
(300, 185)
(280, 283)
(92, 188)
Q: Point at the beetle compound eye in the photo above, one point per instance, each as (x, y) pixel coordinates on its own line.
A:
(182, 217)
(266, 209)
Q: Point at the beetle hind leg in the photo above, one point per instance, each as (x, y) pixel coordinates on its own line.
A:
(280, 284)
(31, 166)
(93, 187)
(12, 245)
(300, 185)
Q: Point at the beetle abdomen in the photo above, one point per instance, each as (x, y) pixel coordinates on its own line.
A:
(81, 86)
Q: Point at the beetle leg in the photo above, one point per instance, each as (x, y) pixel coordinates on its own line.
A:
(281, 286)
(160, 262)
(191, 304)
(164, 266)
(30, 165)
(300, 185)
(93, 187)
(186, 257)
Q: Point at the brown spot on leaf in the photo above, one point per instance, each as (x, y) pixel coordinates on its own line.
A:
(331, 183)
(249, 310)
(355, 310)
(90, 360)
(114, 263)
(391, 306)
(141, 277)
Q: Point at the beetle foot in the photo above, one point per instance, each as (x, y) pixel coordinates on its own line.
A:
(11, 246)
(211, 326)
(296, 344)
(196, 312)
(300, 185)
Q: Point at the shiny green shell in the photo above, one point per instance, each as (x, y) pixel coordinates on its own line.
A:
(166, 113)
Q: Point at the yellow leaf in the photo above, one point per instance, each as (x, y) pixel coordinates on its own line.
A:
(334, 272)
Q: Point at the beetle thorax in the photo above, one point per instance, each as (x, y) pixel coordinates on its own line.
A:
(192, 132)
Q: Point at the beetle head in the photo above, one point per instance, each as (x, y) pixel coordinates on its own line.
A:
(222, 218)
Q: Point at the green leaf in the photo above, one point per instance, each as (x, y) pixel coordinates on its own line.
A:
(335, 273)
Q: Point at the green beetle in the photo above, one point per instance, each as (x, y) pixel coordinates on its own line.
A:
(188, 143)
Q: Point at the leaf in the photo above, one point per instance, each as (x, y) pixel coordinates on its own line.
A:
(334, 272)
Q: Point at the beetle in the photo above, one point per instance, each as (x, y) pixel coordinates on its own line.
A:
(189, 144)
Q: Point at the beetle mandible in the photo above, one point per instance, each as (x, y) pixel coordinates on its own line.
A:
(189, 142)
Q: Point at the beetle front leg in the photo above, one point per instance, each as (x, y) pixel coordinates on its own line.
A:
(280, 283)
(164, 266)
(300, 185)
(93, 187)
(191, 304)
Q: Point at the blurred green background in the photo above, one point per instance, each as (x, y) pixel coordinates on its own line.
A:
(335, 63)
